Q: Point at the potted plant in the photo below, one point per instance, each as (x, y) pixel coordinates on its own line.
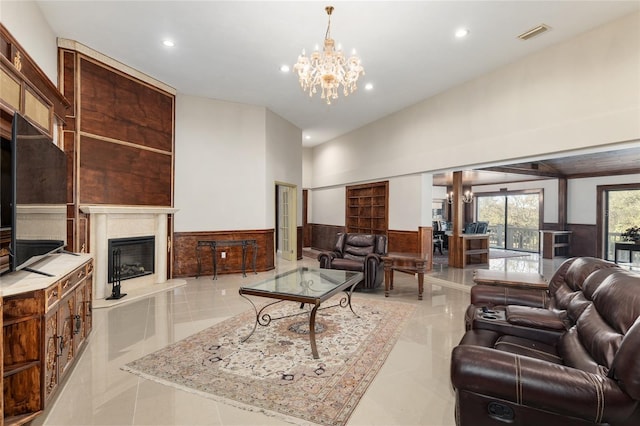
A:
(631, 234)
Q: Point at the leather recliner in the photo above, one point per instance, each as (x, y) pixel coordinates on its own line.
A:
(590, 375)
(358, 252)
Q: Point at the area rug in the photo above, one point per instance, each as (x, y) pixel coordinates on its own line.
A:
(273, 371)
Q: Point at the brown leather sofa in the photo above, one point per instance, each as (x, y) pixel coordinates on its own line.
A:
(589, 373)
(358, 252)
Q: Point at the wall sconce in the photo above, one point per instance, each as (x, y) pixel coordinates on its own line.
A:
(466, 198)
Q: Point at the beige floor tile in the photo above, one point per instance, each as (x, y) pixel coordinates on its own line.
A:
(412, 388)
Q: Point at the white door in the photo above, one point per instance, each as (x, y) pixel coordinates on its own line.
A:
(287, 227)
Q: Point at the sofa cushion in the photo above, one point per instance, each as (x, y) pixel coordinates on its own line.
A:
(529, 348)
(347, 264)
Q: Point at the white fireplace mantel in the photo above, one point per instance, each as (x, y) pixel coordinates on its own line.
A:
(109, 221)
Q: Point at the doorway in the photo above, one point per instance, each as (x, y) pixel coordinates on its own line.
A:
(513, 217)
(286, 226)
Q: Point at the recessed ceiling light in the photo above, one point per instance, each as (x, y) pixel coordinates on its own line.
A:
(284, 68)
(168, 43)
(462, 32)
(368, 86)
(307, 137)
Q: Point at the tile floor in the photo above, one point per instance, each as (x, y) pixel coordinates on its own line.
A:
(412, 388)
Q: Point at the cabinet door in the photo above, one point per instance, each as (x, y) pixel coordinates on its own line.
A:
(51, 353)
(66, 324)
(78, 321)
(88, 305)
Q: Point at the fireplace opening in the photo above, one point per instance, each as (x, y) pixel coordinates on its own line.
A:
(131, 257)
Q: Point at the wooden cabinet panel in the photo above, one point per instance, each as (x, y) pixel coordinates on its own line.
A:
(51, 345)
(43, 331)
(66, 323)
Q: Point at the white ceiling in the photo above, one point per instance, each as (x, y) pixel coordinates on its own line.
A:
(233, 50)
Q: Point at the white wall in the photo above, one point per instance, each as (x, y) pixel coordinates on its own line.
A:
(283, 163)
(577, 94)
(219, 165)
(581, 202)
(25, 22)
(410, 202)
(328, 206)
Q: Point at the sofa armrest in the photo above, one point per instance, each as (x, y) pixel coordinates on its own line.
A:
(373, 257)
(325, 258)
(539, 384)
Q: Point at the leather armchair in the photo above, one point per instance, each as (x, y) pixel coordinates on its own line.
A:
(358, 252)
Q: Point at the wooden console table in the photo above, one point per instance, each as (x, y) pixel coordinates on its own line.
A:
(631, 247)
(406, 262)
(214, 244)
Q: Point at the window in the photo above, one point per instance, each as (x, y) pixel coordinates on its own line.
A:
(513, 217)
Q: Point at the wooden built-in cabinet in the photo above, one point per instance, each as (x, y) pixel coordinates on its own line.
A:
(44, 330)
(367, 208)
(473, 249)
(555, 243)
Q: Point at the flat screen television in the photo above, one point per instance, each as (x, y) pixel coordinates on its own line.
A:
(36, 200)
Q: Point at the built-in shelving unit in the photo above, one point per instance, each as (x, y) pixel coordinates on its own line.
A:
(555, 243)
(367, 208)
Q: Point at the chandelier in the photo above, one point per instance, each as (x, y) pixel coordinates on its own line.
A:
(329, 69)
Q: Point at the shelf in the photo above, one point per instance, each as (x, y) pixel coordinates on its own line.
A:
(12, 321)
(367, 206)
(10, 370)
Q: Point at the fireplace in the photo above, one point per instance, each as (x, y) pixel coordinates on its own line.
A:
(130, 258)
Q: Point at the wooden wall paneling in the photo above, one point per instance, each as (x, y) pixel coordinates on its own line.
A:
(403, 241)
(583, 240)
(323, 237)
(112, 173)
(299, 239)
(186, 264)
(12, 54)
(305, 222)
(120, 107)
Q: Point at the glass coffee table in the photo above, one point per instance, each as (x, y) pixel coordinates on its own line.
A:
(305, 286)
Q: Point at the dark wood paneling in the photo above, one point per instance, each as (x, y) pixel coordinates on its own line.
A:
(112, 173)
(120, 107)
(403, 241)
(186, 263)
(583, 240)
(323, 237)
(68, 80)
(299, 240)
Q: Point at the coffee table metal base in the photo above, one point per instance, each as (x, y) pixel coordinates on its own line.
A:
(264, 319)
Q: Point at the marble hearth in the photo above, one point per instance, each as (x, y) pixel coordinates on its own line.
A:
(108, 222)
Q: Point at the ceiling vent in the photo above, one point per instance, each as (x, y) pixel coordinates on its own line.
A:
(542, 28)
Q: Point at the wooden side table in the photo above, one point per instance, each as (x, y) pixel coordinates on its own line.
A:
(406, 262)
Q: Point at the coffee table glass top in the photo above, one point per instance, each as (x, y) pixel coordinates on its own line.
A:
(306, 282)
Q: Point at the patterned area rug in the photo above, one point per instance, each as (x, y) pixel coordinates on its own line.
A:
(273, 371)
